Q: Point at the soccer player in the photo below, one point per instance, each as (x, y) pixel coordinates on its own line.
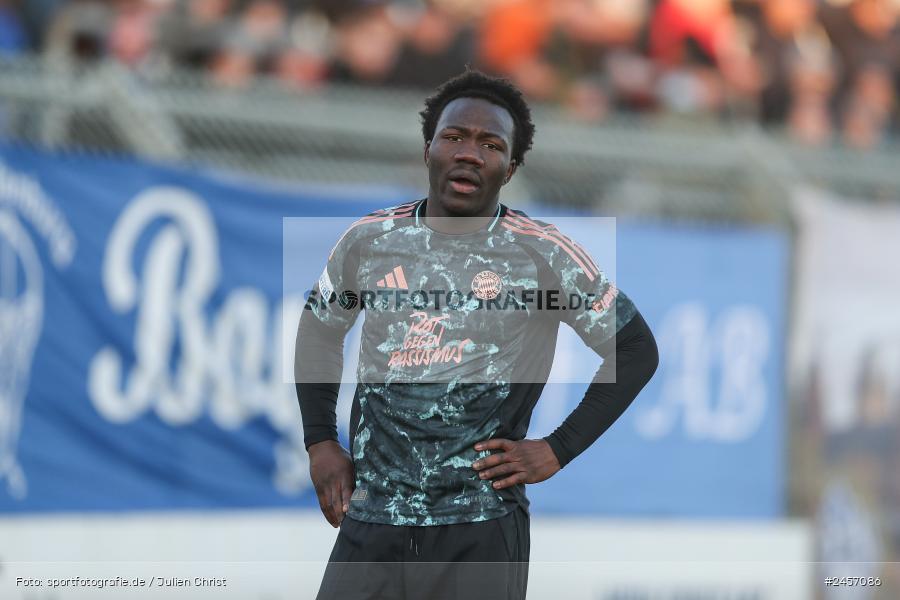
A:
(463, 298)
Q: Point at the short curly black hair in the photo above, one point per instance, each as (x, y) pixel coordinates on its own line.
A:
(497, 90)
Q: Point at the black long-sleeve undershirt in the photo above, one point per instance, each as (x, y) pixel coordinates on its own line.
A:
(318, 364)
(633, 358)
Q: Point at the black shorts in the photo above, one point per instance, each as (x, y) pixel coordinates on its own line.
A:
(487, 560)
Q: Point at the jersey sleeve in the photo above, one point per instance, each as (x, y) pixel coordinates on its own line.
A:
(334, 298)
(318, 354)
(594, 307)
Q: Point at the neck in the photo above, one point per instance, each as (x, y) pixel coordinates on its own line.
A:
(437, 218)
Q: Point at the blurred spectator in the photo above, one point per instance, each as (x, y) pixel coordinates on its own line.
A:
(562, 50)
(254, 43)
(192, 33)
(583, 36)
(13, 38)
(233, 66)
(687, 31)
(437, 45)
(630, 73)
(742, 69)
(811, 72)
(867, 39)
(870, 103)
(80, 31)
(863, 31)
(823, 69)
(367, 45)
(781, 34)
(132, 30)
(262, 31)
(685, 40)
(512, 40)
(304, 61)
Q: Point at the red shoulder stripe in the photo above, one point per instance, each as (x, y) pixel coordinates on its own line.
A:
(524, 221)
(393, 209)
(374, 218)
(590, 268)
(543, 235)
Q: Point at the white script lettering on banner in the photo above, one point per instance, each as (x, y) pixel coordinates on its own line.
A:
(22, 302)
(712, 375)
(226, 366)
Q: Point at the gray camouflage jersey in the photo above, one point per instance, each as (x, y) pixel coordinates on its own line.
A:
(457, 343)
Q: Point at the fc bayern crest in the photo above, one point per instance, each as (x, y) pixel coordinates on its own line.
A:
(486, 285)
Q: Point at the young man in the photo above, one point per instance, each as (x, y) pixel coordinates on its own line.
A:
(463, 299)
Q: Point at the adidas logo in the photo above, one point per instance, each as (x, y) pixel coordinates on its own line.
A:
(395, 279)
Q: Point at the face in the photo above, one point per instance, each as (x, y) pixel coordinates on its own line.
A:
(470, 157)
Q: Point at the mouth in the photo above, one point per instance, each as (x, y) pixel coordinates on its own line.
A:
(464, 182)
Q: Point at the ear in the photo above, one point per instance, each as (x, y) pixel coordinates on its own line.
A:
(510, 171)
(427, 147)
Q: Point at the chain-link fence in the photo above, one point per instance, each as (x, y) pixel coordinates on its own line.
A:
(659, 166)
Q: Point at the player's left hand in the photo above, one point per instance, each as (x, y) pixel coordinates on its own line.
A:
(525, 461)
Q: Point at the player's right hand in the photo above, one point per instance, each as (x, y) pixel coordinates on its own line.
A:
(332, 474)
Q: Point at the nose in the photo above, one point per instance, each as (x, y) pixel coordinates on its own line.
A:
(468, 154)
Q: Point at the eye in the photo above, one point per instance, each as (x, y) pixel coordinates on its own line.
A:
(453, 137)
(492, 146)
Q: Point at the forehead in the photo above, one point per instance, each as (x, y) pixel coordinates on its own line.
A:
(477, 114)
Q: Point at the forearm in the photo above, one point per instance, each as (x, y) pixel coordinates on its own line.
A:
(633, 362)
(318, 363)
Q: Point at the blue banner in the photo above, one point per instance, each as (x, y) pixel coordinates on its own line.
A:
(142, 320)
(706, 436)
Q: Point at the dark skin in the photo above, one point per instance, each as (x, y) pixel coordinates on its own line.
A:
(333, 477)
(469, 159)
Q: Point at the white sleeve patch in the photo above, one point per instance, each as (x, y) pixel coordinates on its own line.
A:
(325, 285)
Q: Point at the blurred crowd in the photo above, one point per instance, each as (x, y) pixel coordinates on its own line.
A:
(826, 70)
